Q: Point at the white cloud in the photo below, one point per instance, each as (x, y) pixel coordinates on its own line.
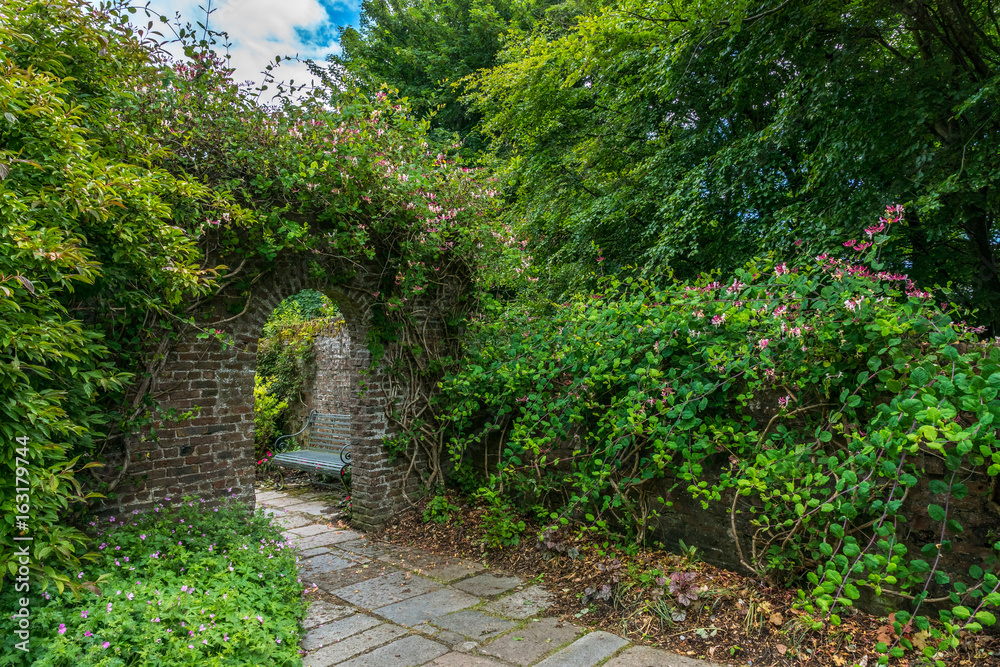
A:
(262, 29)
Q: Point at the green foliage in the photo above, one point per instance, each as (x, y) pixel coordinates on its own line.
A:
(501, 525)
(813, 389)
(268, 410)
(439, 510)
(424, 47)
(182, 585)
(88, 253)
(691, 135)
(119, 168)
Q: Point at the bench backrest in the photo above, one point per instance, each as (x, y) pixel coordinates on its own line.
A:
(328, 431)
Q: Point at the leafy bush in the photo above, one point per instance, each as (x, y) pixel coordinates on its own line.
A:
(501, 525)
(180, 585)
(439, 510)
(89, 252)
(813, 389)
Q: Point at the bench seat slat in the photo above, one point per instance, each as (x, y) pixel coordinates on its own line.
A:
(311, 460)
(326, 449)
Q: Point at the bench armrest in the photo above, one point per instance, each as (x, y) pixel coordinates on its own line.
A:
(283, 441)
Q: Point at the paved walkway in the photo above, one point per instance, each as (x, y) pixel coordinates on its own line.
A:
(378, 605)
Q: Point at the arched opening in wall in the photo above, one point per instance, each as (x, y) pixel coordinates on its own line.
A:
(302, 369)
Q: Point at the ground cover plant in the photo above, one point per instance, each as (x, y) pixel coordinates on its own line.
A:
(809, 394)
(183, 584)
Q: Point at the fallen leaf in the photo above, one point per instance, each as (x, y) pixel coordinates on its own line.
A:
(840, 662)
(920, 639)
(776, 618)
(782, 649)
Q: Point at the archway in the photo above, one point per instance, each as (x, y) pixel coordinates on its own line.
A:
(202, 443)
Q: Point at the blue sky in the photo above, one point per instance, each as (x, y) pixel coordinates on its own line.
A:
(262, 29)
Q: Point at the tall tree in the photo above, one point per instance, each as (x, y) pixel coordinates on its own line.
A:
(424, 47)
(691, 135)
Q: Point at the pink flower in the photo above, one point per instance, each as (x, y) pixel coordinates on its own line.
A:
(62, 628)
(87, 633)
(105, 644)
(763, 343)
(83, 614)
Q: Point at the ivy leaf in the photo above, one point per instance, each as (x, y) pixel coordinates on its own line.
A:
(936, 512)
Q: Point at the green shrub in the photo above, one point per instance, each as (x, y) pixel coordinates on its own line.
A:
(186, 585)
(501, 524)
(813, 390)
(439, 510)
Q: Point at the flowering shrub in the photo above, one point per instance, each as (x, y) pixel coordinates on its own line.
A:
(177, 586)
(808, 391)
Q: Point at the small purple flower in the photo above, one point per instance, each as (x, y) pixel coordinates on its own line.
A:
(105, 644)
(62, 628)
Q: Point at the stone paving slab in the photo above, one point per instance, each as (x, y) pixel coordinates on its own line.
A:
(643, 656)
(534, 641)
(333, 632)
(311, 529)
(287, 520)
(318, 508)
(364, 547)
(321, 611)
(586, 651)
(522, 604)
(282, 501)
(324, 539)
(327, 562)
(423, 608)
(407, 652)
(386, 589)
(486, 585)
(443, 568)
(474, 624)
(346, 649)
(315, 551)
(351, 576)
(456, 659)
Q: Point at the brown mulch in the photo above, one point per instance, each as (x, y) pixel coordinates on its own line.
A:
(736, 620)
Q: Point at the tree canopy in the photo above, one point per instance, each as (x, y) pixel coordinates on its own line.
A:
(692, 135)
(424, 48)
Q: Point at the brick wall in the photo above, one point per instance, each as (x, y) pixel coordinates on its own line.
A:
(210, 453)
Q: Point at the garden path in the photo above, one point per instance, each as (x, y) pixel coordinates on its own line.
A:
(379, 605)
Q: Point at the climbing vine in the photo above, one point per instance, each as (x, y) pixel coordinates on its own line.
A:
(812, 396)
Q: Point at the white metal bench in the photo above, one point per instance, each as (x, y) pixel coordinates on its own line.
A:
(327, 449)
